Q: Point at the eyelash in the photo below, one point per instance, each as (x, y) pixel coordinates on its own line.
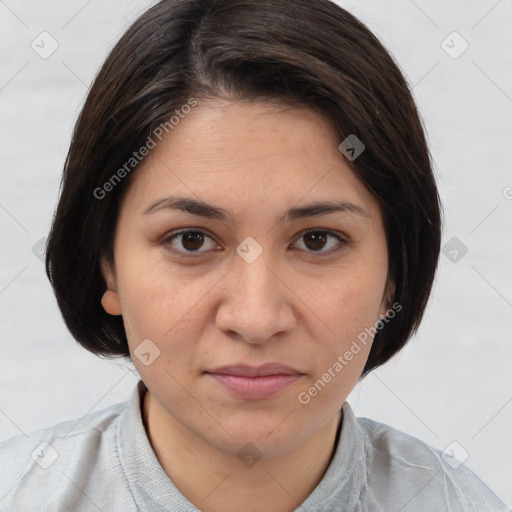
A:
(194, 254)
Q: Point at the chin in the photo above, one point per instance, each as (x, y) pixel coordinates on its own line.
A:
(266, 434)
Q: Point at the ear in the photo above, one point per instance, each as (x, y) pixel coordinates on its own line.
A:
(110, 300)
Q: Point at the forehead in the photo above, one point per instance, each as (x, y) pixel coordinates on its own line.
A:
(249, 154)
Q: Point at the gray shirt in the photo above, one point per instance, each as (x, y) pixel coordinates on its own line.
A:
(105, 462)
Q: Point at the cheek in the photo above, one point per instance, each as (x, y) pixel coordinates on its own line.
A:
(350, 302)
(347, 310)
(163, 306)
(341, 347)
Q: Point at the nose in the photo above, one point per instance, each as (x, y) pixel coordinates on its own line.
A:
(257, 303)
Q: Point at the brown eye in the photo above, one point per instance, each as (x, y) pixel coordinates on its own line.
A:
(317, 240)
(190, 241)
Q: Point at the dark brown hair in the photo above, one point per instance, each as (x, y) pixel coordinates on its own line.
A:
(308, 52)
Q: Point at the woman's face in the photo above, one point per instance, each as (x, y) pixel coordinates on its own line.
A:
(243, 285)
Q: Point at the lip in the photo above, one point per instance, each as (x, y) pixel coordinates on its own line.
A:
(244, 370)
(255, 383)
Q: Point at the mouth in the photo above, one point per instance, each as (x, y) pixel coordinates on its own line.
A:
(255, 383)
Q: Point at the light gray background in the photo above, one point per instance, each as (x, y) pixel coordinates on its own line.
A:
(453, 382)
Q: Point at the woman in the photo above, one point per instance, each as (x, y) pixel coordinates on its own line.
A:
(248, 212)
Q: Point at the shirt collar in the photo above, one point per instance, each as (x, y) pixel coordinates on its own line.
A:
(150, 486)
(346, 474)
(153, 490)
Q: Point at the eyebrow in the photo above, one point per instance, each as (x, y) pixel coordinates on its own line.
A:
(202, 209)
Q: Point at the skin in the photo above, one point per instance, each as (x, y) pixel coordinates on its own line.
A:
(291, 306)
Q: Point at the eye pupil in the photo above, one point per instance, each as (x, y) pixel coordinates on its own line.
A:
(318, 238)
(192, 240)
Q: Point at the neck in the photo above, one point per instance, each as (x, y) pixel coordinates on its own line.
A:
(215, 481)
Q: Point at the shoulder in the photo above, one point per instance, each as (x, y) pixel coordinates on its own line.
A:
(38, 463)
(403, 470)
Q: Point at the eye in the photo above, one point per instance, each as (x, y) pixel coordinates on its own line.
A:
(190, 240)
(315, 240)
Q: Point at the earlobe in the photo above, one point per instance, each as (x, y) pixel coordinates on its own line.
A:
(110, 302)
